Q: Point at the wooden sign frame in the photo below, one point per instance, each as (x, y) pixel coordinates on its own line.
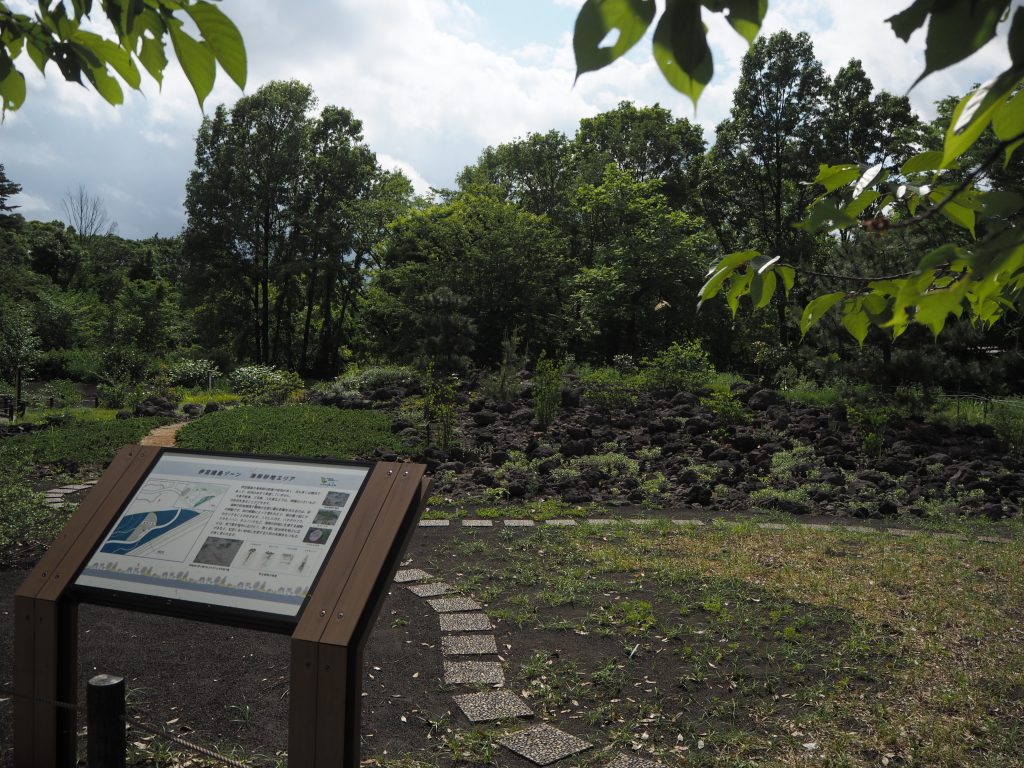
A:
(327, 640)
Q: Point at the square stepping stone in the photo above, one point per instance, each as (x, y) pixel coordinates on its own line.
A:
(465, 622)
(632, 761)
(431, 590)
(993, 540)
(464, 645)
(773, 526)
(600, 521)
(477, 523)
(562, 523)
(433, 523)
(453, 604)
(861, 529)
(519, 523)
(687, 521)
(411, 574)
(543, 744)
(473, 672)
(641, 520)
(492, 705)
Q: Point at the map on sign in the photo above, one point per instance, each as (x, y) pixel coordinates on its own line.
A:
(165, 512)
(240, 532)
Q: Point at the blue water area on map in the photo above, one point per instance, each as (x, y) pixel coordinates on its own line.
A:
(122, 539)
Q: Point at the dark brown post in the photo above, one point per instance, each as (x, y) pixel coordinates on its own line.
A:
(105, 718)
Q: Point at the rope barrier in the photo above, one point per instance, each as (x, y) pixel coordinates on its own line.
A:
(150, 729)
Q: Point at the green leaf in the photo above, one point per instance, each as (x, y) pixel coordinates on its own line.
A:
(762, 288)
(599, 17)
(957, 143)
(958, 29)
(832, 177)
(788, 275)
(907, 21)
(745, 16)
(196, 60)
(12, 88)
(814, 311)
(739, 286)
(1008, 120)
(153, 58)
(937, 257)
(856, 321)
(681, 48)
(223, 37)
(1010, 150)
(721, 270)
(856, 206)
(1001, 203)
(925, 161)
(113, 54)
(958, 214)
(1015, 40)
(935, 306)
(105, 85)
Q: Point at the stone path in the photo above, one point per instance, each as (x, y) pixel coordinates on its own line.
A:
(837, 526)
(163, 436)
(541, 744)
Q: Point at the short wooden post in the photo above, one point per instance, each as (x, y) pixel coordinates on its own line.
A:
(105, 711)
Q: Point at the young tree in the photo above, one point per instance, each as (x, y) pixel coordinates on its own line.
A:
(87, 215)
(19, 344)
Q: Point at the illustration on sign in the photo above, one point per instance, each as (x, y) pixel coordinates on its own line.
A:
(236, 532)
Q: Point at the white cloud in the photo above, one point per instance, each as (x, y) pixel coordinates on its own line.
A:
(31, 206)
(430, 94)
(420, 184)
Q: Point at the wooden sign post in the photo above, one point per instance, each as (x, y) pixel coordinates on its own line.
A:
(303, 547)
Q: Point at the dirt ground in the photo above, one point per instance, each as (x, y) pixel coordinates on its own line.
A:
(224, 687)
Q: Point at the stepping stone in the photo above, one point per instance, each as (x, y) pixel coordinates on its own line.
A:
(453, 604)
(411, 574)
(519, 523)
(632, 761)
(687, 521)
(773, 526)
(431, 590)
(641, 520)
(600, 521)
(473, 672)
(492, 705)
(561, 523)
(465, 645)
(994, 540)
(433, 523)
(477, 523)
(543, 744)
(465, 622)
(900, 531)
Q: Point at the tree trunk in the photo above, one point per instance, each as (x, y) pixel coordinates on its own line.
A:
(307, 323)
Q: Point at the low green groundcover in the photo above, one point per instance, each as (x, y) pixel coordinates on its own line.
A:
(295, 430)
(86, 442)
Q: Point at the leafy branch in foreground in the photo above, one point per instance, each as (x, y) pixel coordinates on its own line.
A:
(985, 278)
(55, 34)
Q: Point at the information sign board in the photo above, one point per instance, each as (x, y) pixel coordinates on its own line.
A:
(246, 534)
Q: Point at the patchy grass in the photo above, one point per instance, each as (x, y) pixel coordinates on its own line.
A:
(80, 442)
(296, 430)
(733, 645)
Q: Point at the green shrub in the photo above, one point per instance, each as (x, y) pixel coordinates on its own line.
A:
(120, 394)
(725, 406)
(26, 518)
(294, 430)
(440, 409)
(90, 442)
(192, 373)
(608, 388)
(504, 385)
(368, 379)
(680, 367)
(547, 396)
(266, 385)
(65, 393)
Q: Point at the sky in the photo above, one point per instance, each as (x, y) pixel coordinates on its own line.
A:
(434, 82)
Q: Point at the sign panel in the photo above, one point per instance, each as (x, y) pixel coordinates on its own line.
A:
(248, 534)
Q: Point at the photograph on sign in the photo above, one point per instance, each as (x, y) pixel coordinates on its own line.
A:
(243, 533)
